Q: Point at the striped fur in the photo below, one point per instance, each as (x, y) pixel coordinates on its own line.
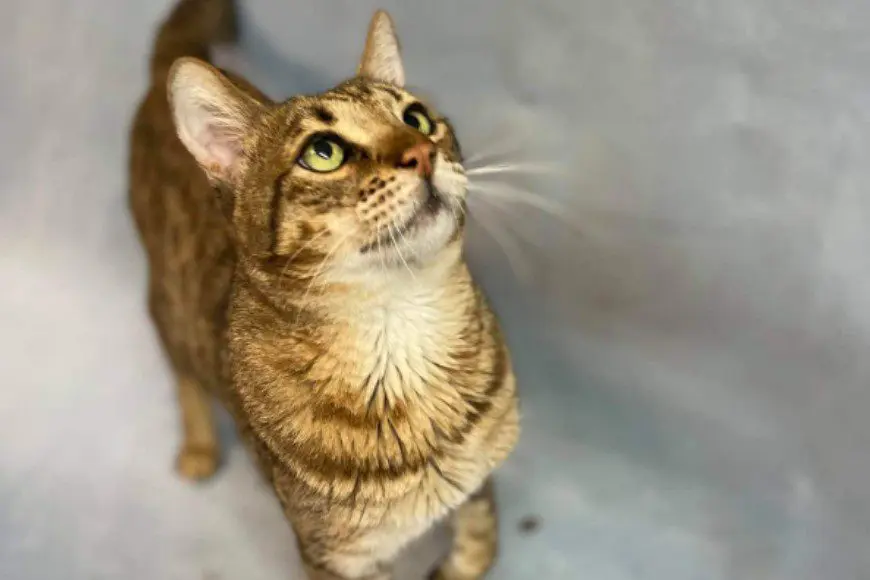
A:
(368, 375)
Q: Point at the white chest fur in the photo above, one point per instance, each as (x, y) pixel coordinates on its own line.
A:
(401, 337)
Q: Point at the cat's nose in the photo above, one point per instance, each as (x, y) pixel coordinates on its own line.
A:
(420, 158)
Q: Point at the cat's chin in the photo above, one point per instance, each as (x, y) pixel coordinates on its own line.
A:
(434, 231)
(420, 244)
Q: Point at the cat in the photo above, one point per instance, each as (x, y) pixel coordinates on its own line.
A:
(306, 269)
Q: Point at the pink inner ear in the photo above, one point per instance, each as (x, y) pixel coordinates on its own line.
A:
(222, 145)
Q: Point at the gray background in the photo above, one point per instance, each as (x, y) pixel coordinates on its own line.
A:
(693, 350)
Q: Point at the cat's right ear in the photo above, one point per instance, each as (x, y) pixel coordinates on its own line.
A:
(212, 117)
(382, 59)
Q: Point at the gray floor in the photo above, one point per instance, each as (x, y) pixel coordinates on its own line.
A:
(695, 363)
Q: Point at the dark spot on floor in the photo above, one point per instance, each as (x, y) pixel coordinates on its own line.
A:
(529, 524)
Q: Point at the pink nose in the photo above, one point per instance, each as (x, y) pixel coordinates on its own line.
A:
(419, 158)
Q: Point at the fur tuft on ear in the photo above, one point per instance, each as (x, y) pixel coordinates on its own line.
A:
(212, 117)
(381, 59)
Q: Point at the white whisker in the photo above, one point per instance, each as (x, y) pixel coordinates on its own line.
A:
(521, 271)
(399, 252)
(491, 154)
(499, 168)
(381, 251)
(510, 194)
(405, 240)
(496, 146)
(518, 231)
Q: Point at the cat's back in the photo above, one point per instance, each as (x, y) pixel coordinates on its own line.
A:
(178, 214)
(185, 237)
(163, 175)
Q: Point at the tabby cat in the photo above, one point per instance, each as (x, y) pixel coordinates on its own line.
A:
(306, 269)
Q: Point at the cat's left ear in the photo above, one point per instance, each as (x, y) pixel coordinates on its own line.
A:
(381, 59)
(212, 118)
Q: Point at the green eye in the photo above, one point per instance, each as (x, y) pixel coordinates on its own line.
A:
(416, 118)
(322, 155)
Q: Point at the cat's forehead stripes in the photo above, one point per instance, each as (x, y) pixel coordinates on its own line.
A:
(397, 96)
(364, 113)
(364, 91)
(323, 115)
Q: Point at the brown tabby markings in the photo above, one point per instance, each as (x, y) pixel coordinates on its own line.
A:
(372, 386)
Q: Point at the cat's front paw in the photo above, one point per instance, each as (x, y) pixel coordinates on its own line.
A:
(197, 462)
(445, 573)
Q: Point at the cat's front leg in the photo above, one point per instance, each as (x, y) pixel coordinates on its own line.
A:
(344, 564)
(475, 538)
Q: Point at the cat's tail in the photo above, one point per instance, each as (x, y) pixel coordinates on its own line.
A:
(189, 30)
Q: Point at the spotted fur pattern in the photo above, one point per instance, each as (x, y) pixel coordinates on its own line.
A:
(331, 313)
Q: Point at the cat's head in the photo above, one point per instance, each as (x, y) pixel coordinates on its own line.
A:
(366, 175)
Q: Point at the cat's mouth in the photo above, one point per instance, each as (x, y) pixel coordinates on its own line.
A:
(425, 214)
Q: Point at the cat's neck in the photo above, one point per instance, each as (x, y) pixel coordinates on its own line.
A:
(403, 300)
(397, 290)
(370, 336)
(433, 296)
(399, 330)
